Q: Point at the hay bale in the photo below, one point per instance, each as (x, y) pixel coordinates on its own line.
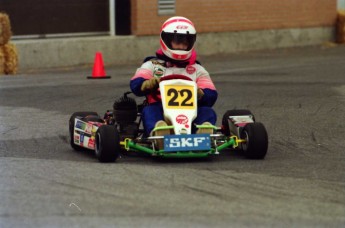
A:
(11, 59)
(5, 29)
(2, 61)
(340, 27)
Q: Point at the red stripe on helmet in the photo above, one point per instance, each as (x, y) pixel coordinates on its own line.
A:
(176, 20)
(177, 57)
(163, 45)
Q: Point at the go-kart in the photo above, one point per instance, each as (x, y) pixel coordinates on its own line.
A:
(121, 130)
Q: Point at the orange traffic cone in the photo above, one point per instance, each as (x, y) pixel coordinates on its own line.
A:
(98, 71)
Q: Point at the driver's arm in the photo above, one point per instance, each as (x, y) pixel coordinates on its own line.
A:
(204, 82)
(143, 80)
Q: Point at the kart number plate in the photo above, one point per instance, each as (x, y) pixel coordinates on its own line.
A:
(179, 97)
(197, 142)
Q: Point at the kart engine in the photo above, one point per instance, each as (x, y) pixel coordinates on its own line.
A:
(125, 114)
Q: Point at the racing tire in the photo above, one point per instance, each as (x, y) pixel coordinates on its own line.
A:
(256, 144)
(239, 112)
(107, 145)
(71, 127)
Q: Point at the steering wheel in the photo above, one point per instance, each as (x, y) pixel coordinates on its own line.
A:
(156, 94)
(176, 76)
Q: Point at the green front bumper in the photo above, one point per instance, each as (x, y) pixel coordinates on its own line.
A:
(231, 142)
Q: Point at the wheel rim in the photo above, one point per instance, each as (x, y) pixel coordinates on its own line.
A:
(246, 138)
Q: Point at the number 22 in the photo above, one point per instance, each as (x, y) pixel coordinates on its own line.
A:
(175, 94)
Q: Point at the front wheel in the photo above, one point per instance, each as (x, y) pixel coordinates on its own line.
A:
(256, 140)
(107, 145)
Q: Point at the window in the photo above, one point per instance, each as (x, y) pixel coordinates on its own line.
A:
(166, 7)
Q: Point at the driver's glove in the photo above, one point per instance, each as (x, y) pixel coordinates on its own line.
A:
(200, 93)
(150, 84)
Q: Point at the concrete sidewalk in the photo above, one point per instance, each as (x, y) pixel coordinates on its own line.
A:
(70, 52)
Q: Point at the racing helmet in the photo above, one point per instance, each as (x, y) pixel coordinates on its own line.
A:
(179, 30)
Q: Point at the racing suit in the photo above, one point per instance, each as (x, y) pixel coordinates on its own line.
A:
(161, 66)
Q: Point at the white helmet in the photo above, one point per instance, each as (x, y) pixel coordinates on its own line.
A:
(180, 30)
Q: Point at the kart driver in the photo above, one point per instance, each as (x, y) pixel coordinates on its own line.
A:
(176, 56)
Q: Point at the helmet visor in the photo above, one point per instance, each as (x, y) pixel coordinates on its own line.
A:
(187, 40)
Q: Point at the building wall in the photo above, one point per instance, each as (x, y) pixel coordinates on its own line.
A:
(237, 15)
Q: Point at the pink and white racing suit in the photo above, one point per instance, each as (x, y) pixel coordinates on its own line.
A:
(160, 66)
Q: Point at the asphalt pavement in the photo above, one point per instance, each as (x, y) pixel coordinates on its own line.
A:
(297, 93)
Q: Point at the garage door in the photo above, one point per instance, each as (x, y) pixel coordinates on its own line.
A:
(48, 17)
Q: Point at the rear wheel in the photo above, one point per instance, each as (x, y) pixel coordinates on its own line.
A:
(107, 146)
(227, 114)
(256, 138)
(71, 127)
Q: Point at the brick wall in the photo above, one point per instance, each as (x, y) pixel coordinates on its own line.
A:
(236, 15)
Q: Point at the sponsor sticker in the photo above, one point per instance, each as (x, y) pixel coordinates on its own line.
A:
(181, 119)
(190, 69)
(94, 130)
(76, 139)
(197, 142)
(182, 27)
(91, 143)
(82, 139)
(158, 72)
(80, 125)
(88, 128)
